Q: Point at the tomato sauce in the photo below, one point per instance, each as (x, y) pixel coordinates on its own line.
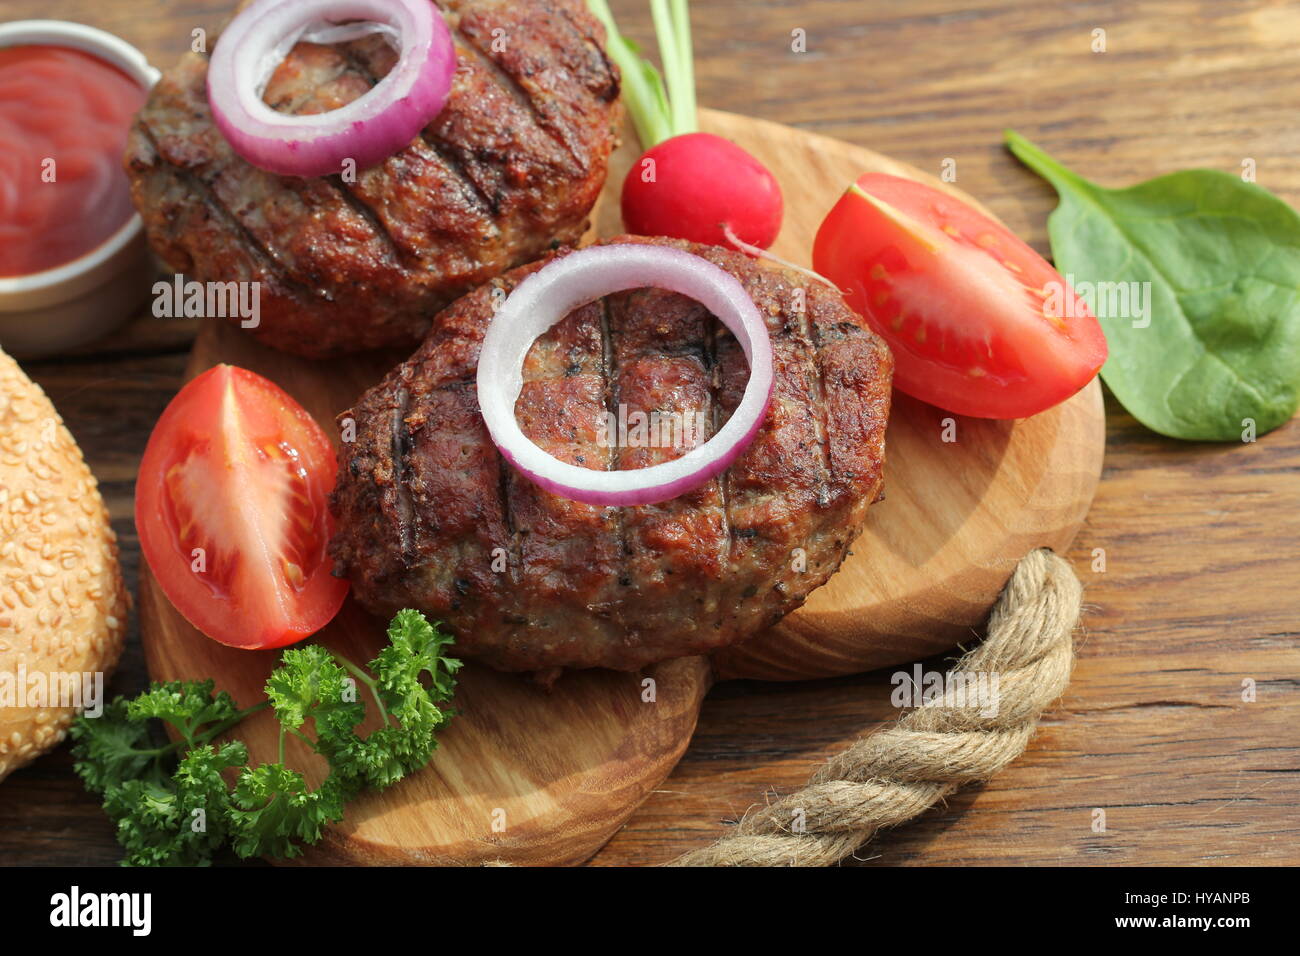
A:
(64, 117)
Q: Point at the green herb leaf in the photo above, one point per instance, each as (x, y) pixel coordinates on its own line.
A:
(188, 706)
(416, 650)
(170, 800)
(1219, 342)
(114, 747)
(274, 810)
(183, 821)
(310, 683)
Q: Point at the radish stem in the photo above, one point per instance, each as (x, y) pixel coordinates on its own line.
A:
(662, 105)
(643, 88)
(684, 119)
(670, 51)
(760, 253)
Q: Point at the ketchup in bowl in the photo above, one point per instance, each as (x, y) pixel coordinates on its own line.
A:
(64, 117)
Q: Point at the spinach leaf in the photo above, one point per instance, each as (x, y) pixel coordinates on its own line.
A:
(1217, 339)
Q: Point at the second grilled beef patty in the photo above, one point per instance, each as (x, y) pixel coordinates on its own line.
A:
(430, 517)
(509, 169)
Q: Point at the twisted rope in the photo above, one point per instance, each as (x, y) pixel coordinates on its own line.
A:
(898, 773)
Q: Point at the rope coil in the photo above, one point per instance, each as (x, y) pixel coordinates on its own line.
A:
(898, 773)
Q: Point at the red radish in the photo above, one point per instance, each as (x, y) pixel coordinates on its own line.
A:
(687, 185)
(694, 185)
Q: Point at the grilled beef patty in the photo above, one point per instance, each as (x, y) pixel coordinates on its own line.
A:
(430, 517)
(508, 170)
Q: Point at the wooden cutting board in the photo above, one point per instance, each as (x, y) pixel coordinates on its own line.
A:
(527, 776)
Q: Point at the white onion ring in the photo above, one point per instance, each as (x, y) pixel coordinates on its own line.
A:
(367, 130)
(559, 287)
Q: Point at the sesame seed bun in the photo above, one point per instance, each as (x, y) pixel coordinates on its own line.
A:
(62, 603)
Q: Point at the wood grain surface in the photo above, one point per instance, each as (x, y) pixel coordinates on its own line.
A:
(527, 777)
(1201, 543)
(965, 498)
(521, 776)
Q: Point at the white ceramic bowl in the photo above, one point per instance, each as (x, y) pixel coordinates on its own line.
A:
(79, 301)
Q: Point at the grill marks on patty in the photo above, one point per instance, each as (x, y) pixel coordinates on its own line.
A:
(373, 58)
(619, 587)
(402, 483)
(560, 407)
(207, 227)
(511, 165)
(659, 341)
(290, 219)
(416, 200)
(814, 387)
(543, 60)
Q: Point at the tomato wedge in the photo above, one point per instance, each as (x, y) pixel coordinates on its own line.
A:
(979, 323)
(232, 508)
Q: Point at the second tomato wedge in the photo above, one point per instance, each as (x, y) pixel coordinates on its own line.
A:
(979, 323)
(232, 508)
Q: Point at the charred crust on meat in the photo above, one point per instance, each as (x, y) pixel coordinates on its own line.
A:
(488, 205)
(617, 587)
(511, 168)
(401, 450)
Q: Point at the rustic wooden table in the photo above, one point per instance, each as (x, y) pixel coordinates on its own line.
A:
(1201, 588)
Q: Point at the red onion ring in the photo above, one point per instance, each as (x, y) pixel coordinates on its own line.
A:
(561, 286)
(367, 130)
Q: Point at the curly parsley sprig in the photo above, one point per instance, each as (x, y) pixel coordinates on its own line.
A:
(170, 799)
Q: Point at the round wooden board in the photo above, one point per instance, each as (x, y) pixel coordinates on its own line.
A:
(521, 775)
(957, 514)
(527, 776)
(937, 550)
